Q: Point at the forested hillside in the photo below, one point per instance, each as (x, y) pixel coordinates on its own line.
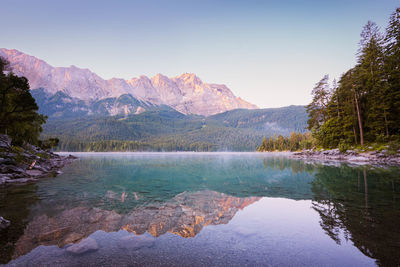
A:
(165, 129)
(364, 106)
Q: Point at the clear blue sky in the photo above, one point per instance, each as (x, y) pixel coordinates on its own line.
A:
(270, 53)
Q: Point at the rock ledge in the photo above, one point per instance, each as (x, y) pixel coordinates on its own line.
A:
(27, 163)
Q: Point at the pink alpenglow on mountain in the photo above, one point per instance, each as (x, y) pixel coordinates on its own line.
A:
(185, 93)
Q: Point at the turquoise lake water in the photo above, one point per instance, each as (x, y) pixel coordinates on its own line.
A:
(204, 209)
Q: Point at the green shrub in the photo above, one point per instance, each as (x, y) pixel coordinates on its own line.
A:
(44, 155)
(393, 147)
(48, 143)
(17, 149)
(381, 138)
(343, 145)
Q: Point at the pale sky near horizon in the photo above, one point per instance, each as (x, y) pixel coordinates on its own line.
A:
(270, 53)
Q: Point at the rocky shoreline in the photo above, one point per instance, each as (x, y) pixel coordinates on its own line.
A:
(27, 163)
(351, 156)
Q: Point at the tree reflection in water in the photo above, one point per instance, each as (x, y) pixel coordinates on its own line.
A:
(15, 205)
(361, 204)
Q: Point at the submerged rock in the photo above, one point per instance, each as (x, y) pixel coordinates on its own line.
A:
(86, 245)
(4, 223)
(73, 237)
(135, 242)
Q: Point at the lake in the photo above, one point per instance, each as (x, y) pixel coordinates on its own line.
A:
(204, 209)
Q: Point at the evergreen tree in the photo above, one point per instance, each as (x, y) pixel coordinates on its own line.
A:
(392, 72)
(296, 141)
(370, 82)
(317, 109)
(18, 109)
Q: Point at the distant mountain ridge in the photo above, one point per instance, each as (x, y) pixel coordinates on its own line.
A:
(81, 91)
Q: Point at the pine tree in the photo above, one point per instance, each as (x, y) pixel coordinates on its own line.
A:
(370, 81)
(317, 109)
(392, 72)
(18, 109)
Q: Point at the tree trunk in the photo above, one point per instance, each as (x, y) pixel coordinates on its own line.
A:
(354, 113)
(3, 127)
(358, 113)
(359, 119)
(355, 135)
(386, 123)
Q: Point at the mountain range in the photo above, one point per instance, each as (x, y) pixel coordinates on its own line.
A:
(75, 91)
(88, 113)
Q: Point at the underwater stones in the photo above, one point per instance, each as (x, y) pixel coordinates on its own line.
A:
(73, 237)
(135, 242)
(4, 223)
(86, 245)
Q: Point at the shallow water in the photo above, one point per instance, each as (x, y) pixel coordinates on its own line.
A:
(204, 209)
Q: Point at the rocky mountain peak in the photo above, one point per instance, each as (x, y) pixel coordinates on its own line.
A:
(186, 93)
(189, 78)
(159, 79)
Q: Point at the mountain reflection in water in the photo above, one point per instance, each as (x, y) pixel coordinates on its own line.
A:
(184, 215)
(104, 196)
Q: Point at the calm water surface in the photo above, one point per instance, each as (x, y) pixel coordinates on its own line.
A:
(203, 209)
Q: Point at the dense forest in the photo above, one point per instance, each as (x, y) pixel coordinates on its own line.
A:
(363, 107)
(294, 142)
(165, 129)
